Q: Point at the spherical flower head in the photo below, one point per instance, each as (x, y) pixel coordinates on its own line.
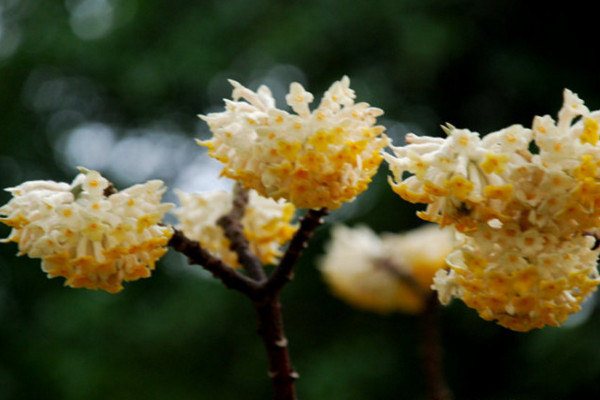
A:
(388, 273)
(454, 176)
(267, 224)
(314, 159)
(523, 279)
(548, 173)
(522, 198)
(85, 232)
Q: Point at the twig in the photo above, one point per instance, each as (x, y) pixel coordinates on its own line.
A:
(231, 278)
(284, 271)
(234, 230)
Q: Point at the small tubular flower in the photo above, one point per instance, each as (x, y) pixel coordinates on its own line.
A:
(524, 200)
(313, 159)
(266, 222)
(86, 233)
(388, 273)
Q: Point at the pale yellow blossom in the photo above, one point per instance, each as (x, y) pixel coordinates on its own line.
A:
(93, 239)
(387, 273)
(314, 159)
(524, 200)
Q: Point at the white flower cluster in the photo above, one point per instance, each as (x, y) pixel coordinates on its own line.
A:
(92, 239)
(266, 222)
(388, 273)
(524, 200)
(313, 159)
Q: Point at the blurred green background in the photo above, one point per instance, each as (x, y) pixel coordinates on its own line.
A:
(116, 85)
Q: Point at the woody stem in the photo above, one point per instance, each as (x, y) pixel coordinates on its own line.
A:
(270, 329)
(431, 351)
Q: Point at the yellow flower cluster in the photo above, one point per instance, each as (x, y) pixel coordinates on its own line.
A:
(82, 232)
(313, 159)
(391, 273)
(266, 222)
(523, 200)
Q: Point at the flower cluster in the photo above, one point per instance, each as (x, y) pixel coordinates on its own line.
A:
(524, 200)
(385, 274)
(266, 222)
(313, 159)
(87, 232)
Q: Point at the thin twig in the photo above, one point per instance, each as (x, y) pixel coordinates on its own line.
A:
(283, 273)
(234, 230)
(196, 254)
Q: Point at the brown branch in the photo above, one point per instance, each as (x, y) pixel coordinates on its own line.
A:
(270, 329)
(196, 254)
(234, 230)
(283, 273)
(268, 307)
(262, 291)
(431, 351)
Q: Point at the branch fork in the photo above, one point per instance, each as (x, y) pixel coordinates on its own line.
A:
(261, 289)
